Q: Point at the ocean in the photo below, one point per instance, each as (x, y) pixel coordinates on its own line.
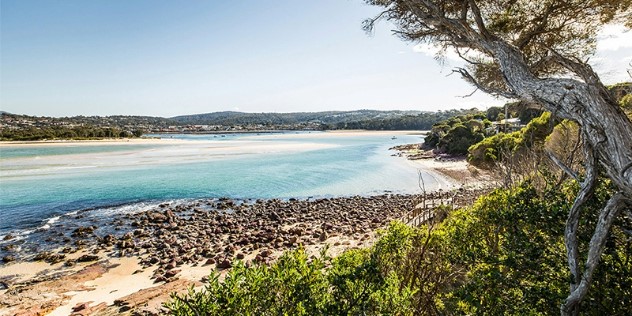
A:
(69, 184)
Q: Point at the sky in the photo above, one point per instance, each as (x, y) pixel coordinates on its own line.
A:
(168, 58)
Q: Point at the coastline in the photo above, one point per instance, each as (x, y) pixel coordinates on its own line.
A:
(171, 247)
(151, 140)
(168, 247)
(91, 142)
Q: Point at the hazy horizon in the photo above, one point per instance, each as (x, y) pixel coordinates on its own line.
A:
(160, 58)
(294, 112)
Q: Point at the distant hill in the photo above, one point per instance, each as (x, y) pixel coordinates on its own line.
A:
(326, 118)
(24, 127)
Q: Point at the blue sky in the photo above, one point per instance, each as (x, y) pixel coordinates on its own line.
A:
(167, 58)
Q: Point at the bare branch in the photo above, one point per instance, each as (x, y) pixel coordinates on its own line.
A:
(572, 222)
(469, 78)
(563, 166)
(596, 247)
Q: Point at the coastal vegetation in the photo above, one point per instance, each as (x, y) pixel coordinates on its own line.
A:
(456, 134)
(61, 132)
(499, 256)
(537, 52)
(498, 148)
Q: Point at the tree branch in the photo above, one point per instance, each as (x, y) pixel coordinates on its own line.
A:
(562, 166)
(572, 222)
(469, 78)
(596, 247)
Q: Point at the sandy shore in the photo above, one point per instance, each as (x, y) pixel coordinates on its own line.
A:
(166, 140)
(112, 141)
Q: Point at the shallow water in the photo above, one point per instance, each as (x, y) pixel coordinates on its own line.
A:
(40, 186)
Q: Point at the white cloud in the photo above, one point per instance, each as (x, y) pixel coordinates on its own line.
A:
(614, 37)
(433, 50)
(614, 54)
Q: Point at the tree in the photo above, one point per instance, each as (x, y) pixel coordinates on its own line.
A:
(536, 51)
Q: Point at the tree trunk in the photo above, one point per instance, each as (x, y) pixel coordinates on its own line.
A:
(608, 135)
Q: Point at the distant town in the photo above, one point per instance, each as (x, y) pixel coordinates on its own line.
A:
(24, 127)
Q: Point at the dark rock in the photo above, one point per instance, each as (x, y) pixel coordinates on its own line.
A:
(224, 264)
(8, 237)
(87, 258)
(8, 259)
(80, 306)
(83, 231)
(171, 273)
(323, 236)
(10, 247)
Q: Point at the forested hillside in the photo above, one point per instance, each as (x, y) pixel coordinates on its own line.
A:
(229, 118)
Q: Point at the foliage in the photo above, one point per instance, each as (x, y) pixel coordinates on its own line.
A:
(352, 284)
(493, 112)
(60, 132)
(456, 134)
(510, 243)
(503, 255)
(231, 118)
(421, 121)
(501, 146)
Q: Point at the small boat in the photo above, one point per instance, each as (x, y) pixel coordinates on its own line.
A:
(393, 137)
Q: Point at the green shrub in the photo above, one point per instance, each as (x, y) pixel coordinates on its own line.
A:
(503, 255)
(499, 147)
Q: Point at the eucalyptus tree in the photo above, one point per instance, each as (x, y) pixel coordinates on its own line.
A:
(537, 51)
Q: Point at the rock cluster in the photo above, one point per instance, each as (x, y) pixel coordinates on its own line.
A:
(217, 232)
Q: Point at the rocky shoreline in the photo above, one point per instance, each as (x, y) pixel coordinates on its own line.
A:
(168, 240)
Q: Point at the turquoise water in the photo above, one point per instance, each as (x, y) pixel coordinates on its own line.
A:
(40, 183)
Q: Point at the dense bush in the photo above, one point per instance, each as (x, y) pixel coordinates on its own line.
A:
(502, 145)
(354, 283)
(58, 132)
(455, 135)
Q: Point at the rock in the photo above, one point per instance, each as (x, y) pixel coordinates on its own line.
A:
(171, 265)
(323, 236)
(156, 217)
(224, 264)
(171, 273)
(240, 256)
(274, 216)
(80, 306)
(7, 259)
(87, 258)
(83, 231)
(11, 248)
(210, 261)
(8, 237)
